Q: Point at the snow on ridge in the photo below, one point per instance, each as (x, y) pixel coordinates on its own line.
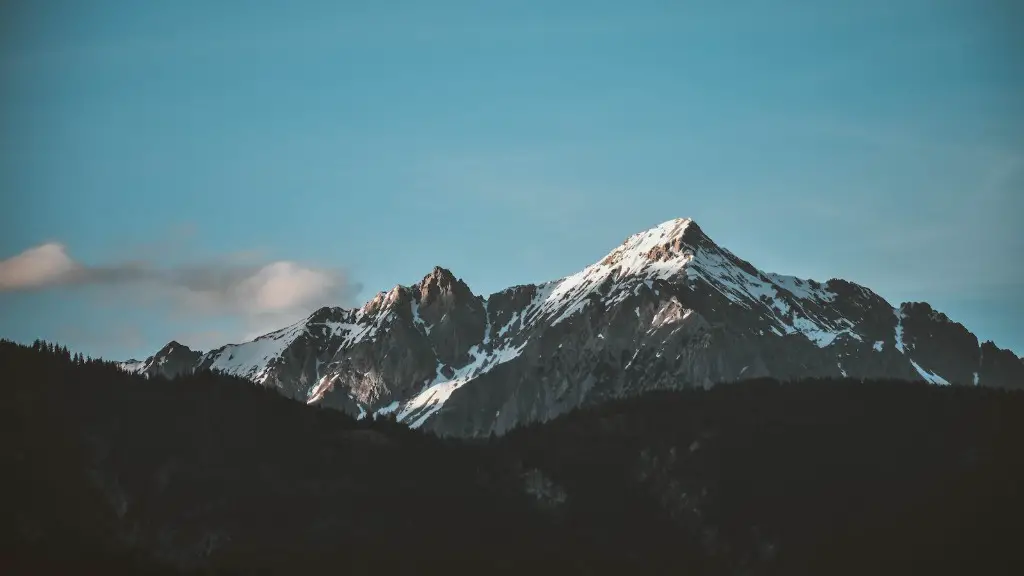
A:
(554, 302)
(317, 391)
(762, 291)
(352, 333)
(134, 366)
(631, 256)
(929, 377)
(487, 325)
(253, 359)
(736, 284)
(820, 336)
(416, 410)
(802, 288)
(899, 331)
(571, 294)
(421, 407)
(628, 267)
(417, 320)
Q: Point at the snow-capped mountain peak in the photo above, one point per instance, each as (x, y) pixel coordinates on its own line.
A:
(667, 308)
(661, 243)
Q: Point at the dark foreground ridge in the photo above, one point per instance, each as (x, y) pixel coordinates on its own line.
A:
(109, 472)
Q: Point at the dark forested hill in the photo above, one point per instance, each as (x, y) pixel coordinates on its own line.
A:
(110, 472)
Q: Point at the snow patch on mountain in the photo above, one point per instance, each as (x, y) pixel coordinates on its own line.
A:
(929, 376)
(736, 284)
(770, 295)
(134, 366)
(899, 331)
(317, 391)
(418, 320)
(254, 359)
(802, 288)
(419, 408)
(559, 300)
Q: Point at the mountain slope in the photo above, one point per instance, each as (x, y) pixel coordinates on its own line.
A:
(667, 308)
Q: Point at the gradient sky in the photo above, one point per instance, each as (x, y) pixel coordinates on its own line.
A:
(365, 142)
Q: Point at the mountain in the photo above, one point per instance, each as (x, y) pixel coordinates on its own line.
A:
(172, 360)
(668, 308)
(208, 474)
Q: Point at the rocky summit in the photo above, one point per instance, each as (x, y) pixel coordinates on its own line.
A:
(667, 308)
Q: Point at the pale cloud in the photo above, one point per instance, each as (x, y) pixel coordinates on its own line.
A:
(272, 288)
(258, 296)
(283, 285)
(41, 266)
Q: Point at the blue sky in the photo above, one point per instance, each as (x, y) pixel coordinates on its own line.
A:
(882, 142)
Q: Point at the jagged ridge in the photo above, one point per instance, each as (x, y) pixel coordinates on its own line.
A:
(667, 306)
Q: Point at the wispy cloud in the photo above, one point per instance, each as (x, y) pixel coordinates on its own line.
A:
(38, 267)
(261, 295)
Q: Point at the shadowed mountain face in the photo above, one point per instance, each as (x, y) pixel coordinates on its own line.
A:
(669, 308)
(172, 360)
(208, 474)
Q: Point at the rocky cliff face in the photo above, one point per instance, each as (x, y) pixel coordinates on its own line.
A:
(668, 308)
